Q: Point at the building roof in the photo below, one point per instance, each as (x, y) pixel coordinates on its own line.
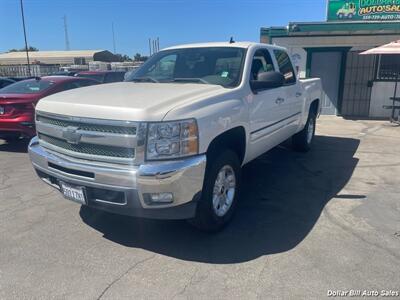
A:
(45, 54)
(48, 57)
(333, 28)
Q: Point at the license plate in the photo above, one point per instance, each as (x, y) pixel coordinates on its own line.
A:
(74, 193)
(2, 110)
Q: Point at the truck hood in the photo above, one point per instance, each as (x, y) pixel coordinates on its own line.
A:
(126, 101)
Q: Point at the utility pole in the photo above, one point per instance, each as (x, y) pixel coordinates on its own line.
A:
(66, 33)
(113, 36)
(150, 46)
(26, 42)
(154, 45)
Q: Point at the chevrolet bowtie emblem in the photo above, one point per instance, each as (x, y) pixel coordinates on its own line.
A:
(71, 135)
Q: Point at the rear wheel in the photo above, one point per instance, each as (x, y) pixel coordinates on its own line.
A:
(302, 140)
(220, 192)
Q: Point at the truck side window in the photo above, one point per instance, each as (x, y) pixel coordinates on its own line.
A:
(285, 66)
(262, 62)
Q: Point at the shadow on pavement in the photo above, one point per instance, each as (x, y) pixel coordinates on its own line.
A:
(283, 197)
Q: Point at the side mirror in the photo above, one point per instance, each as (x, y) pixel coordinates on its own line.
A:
(267, 80)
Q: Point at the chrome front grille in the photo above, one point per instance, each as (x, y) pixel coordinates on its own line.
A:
(99, 150)
(88, 127)
(89, 139)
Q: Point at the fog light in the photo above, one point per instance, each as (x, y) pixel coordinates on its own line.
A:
(158, 198)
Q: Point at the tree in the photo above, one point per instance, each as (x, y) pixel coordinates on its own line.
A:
(30, 49)
(139, 57)
(122, 58)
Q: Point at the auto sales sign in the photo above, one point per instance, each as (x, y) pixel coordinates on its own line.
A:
(363, 10)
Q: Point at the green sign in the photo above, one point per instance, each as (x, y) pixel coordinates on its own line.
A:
(363, 10)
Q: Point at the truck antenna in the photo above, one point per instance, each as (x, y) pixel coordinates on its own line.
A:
(231, 41)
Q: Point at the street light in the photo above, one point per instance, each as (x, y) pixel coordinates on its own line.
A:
(26, 43)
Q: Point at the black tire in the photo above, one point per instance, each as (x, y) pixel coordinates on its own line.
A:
(206, 218)
(301, 140)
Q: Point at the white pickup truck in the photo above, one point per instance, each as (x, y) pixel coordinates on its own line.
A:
(170, 142)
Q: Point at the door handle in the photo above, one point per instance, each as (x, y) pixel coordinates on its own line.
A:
(298, 94)
(279, 100)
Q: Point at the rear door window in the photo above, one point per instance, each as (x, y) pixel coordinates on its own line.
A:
(285, 66)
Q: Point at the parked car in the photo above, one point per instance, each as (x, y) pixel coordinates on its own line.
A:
(21, 78)
(170, 144)
(103, 76)
(18, 100)
(5, 81)
(64, 73)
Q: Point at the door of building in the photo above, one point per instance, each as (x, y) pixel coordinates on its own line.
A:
(327, 66)
(360, 72)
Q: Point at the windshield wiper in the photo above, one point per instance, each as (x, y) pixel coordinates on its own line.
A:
(144, 79)
(200, 80)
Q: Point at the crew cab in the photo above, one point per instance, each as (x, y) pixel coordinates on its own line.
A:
(170, 142)
(18, 100)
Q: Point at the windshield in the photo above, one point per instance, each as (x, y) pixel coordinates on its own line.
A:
(27, 87)
(216, 65)
(98, 77)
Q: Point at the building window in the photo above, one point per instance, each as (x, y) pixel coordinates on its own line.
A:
(388, 67)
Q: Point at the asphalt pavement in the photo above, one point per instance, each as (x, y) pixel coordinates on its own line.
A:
(307, 225)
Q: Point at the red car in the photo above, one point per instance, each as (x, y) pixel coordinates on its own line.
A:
(103, 76)
(18, 100)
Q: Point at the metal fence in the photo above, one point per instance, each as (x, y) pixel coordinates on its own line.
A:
(22, 70)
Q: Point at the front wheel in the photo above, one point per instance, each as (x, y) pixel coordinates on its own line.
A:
(220, 192)
(302, 140)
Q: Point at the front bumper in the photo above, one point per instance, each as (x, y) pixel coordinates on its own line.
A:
(22, 125)
(102, 181)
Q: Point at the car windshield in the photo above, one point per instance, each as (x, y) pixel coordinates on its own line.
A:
(98, 77)
(209, 65)
(27, 87)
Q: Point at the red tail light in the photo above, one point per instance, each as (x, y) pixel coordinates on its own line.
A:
(17, 109)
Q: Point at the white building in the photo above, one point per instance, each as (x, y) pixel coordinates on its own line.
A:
(355, 85)
(72, 57)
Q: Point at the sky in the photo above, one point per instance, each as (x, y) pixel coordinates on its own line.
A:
(135, 21)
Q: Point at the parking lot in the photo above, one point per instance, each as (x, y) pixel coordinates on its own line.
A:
(306, 224)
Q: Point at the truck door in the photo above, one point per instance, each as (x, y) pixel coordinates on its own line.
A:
(291, 92)
(264, 108)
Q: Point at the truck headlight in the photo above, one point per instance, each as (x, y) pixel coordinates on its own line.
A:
(166, 140)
